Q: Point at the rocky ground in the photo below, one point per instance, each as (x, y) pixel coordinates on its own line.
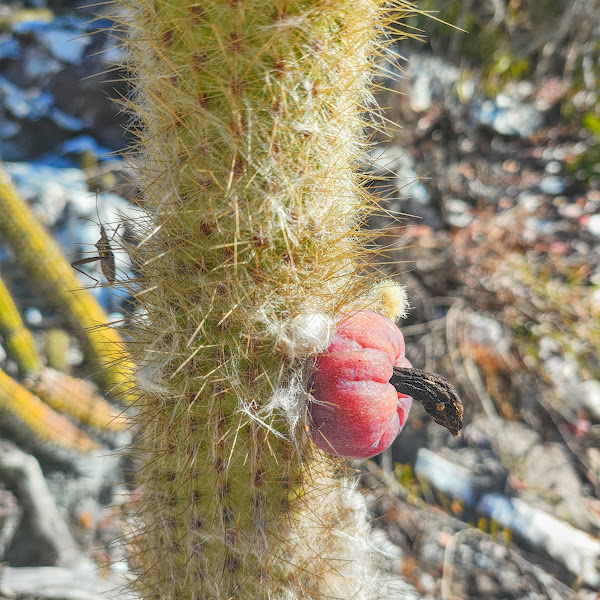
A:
(498, 242)
(495, 232)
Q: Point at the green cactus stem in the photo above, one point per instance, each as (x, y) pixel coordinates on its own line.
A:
(59, 390)
(43, 260)
(250, 117)
(18, 341)
(56, 349)
(33, 421)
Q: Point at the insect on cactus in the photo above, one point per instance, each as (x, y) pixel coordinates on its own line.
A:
(44, 262)
(105, 254)
(250, 117)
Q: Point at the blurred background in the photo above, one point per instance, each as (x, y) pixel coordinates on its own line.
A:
(490, 185)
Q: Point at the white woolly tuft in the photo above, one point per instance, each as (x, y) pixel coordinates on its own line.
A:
(303, 336)
(306, 334)
(149, 373)
(289, 400)
(336, 528)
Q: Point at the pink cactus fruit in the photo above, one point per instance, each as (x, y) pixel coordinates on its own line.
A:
(357, 412)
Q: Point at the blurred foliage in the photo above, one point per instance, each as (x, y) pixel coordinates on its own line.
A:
(513, 39)
(28, 408)
(34, 422)
(569, 313)
(419, 492)
(10, 18)
(18, 340)
(587, 165)
(56, 349)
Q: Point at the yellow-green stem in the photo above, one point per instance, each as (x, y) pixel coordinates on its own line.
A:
(18, 340)
(43, 260)
(35, 422)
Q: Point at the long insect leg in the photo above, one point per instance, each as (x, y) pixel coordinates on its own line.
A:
(85, 261)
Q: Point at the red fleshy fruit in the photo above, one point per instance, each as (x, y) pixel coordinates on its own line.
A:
(357, 412)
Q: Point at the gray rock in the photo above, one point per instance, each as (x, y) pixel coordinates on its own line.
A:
(55, 583)
(587, 394)
(10, 516)
(445, 476)
(563, 371)
(486, 586)
(55, 82)
(96, 473)
(530, 202)
(9, 129)
(593, 225)
(506, 438)
(9, 47)
(507, 116)
(43, 537)
(458, 213)
(550, 482)
(553, 186)
(542, 474)
(462, 474)
(66, 45)
(33, 316)
(38, 65)
(574, 549)
(420, 96)
(486, 331)
(395, 165)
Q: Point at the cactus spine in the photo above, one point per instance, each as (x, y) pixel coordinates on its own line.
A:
(250, 119)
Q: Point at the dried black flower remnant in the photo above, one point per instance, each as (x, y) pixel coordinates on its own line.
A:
(435, 393)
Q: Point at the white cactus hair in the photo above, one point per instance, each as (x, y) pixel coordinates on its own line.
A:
(352, 567)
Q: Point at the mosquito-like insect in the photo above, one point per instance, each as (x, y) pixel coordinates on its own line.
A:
(105, 253)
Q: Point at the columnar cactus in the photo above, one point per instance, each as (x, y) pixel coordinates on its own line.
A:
(22, 409)
(250, 117)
